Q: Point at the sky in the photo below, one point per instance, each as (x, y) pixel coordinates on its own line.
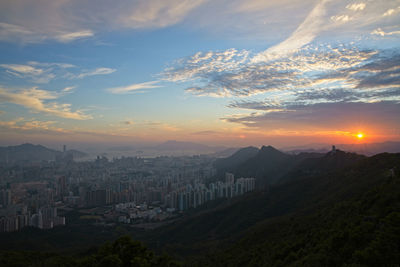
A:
(221, 72)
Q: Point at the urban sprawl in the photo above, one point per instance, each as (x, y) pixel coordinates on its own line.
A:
(128, 190)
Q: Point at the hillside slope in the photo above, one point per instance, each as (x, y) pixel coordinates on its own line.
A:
(264, 211)
(356, 225)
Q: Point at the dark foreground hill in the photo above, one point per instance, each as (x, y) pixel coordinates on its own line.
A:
(122, 252)
(348, 218)
(229, 164)
(312, 199)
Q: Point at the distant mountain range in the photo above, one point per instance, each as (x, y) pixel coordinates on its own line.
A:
(177, 148)
(33, 153)
(367, 149)
(172, 145)
(172, 148)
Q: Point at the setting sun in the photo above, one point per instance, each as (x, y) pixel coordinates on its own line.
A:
(360, 135)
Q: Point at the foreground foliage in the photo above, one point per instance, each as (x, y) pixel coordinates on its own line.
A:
(361, 230)
(123, 252)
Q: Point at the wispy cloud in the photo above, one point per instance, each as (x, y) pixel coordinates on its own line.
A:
(341, 18)
(391, 11)
(382, 33)
(356, 6)
(303, 35)
(30, 22)
(321, 116)
(128, 122)
(206, 133)
(158, 13)
(21, 124)
(68, 89)
(33, 22)
(22, 69)
(44, 72)
(72, 36)
(98, 71)
(37, 75)
(29, 34)
(134, 87)
(37, 100)
(51, 64)
(12, 32)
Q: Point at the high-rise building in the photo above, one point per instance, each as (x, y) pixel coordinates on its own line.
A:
(229, 178)
(5, 197)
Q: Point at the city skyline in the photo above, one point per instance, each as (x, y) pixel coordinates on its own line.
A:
(230, 73)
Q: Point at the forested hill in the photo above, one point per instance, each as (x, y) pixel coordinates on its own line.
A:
(354, 221)
(270, 166)
(322, 219)
(122, 252)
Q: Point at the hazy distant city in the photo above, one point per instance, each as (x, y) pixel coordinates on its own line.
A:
(125, 190)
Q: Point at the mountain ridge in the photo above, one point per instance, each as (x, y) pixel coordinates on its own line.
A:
(33, 153)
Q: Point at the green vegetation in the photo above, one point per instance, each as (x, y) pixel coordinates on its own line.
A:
(360, 231)
(122, 252)
(229, 222)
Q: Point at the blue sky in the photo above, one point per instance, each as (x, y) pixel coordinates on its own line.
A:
(216, 72)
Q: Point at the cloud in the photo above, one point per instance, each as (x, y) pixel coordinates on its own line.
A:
(37, 75)
(202, 64)
(339, 116)
(68, 89)
(341, 18)
(72, 36)
(129, 122)
(366, 90)
(51, 64)
(38, 100)
(16, 33)
(266, 105)
(209, 132)
(98, 71)
(12, 32)
(134, 87)
(154, 126)
(232, 73)
(303, 35)
(382, 33)
(356, 6)
(311, 66)
(22, 69)
(391, 11)
(21, 124)
(158, 13)
(67, 21)
(44, 72)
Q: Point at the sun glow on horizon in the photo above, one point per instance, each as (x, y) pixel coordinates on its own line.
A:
(360, 135)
